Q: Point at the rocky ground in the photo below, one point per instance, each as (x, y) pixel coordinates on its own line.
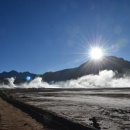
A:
(105, 109)
(12, 118)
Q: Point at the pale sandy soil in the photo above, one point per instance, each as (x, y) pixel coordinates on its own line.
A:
(12, 118)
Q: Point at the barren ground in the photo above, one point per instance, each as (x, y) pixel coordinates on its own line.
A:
(107, 109)
(12, 118)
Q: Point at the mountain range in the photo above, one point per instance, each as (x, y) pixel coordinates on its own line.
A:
(90, 67)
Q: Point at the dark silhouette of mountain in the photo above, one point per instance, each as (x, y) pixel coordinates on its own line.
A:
(89, 67)
(20, 77)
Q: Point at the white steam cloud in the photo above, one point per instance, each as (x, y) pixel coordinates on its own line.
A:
(103, 79)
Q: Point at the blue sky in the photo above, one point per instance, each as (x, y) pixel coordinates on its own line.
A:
(50, 35)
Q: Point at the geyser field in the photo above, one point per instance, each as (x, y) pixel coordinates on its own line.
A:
(65, 65)
(105, 79)
(104, 108)
(99, 101)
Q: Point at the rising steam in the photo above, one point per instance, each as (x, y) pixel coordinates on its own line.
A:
(103, 79)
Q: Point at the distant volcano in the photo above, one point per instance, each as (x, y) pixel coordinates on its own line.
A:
(90, 67)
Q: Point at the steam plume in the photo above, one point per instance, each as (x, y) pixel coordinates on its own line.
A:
(103, 79)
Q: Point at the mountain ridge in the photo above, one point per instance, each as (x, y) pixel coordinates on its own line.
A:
(89, 67)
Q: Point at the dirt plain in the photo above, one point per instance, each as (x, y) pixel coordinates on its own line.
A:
(105, 109)
(12, 118)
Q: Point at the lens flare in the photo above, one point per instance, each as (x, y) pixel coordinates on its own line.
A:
(28, 78)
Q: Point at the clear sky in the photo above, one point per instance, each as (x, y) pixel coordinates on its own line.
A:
(50, 35)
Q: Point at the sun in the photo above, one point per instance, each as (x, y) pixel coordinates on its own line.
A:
(96, 53)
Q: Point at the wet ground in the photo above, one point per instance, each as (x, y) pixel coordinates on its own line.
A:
(106, 109)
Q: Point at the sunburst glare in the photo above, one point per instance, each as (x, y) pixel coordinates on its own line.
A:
(96, 53)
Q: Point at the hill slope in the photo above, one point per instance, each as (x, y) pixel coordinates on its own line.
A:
(89, 67)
